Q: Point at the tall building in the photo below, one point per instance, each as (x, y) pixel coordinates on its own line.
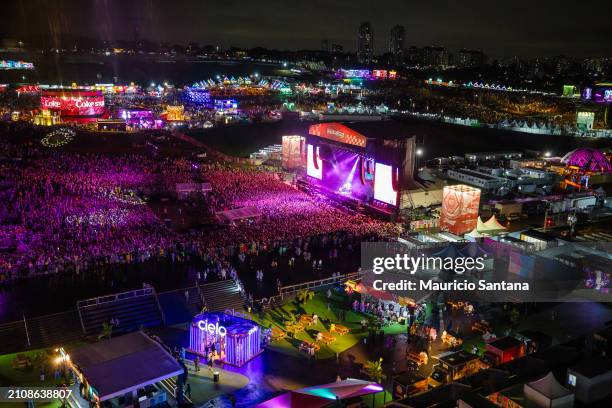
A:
(435, 56)
(336, 48)
(325, 45)
(396, 43)
(471, 58)
(365, 43)
(414, 55)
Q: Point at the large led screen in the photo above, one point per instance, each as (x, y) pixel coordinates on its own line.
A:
(77, 103)
(383, 184)
(312, 169)
(340, 171)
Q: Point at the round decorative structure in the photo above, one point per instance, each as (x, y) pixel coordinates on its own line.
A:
(588, 159)
(59, 137)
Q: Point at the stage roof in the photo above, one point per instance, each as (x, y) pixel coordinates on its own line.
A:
(122, 364)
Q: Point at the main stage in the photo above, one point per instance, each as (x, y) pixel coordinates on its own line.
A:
(363, 169)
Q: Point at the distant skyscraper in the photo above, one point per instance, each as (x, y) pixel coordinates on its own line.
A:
(435, 56)
(336, 48)
(365, 43)
(325, 45)
(396, 43)
(471, 58)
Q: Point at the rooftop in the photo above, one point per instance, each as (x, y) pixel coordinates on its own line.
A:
(125, 363)
(593, 367)
(458, 358)
(505, 343)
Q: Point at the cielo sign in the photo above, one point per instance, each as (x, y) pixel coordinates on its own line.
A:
(212, 328)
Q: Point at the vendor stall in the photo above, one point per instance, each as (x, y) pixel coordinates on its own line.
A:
(234, 338)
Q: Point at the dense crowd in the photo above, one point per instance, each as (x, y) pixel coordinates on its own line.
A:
(68, 211)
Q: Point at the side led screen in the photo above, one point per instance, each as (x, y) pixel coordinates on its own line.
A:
(383, 184)
(314, 165)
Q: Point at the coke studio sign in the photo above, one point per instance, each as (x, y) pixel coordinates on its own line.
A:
(73, 102)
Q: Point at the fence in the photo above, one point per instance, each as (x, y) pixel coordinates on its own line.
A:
(292, 289)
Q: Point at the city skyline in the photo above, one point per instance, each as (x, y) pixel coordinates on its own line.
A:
(527, 30)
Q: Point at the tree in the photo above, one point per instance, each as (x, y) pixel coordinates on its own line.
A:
(514, 317)
(374, 370)
(305, 295)
(107, 331)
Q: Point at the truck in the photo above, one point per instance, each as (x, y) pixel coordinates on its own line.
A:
(453, 366)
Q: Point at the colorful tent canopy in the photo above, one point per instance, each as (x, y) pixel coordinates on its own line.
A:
(293, 399)
(323, 395)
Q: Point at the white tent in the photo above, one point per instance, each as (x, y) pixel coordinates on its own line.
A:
(492, 225)
(548, 393)
(480, 225)
(473, 234)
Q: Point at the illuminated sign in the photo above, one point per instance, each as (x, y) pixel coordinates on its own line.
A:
(354, 73)
(212, 328)
(314, 166)
(10, 64)
(338, 133)
(383, 184)
(77, 103)
(379, 73)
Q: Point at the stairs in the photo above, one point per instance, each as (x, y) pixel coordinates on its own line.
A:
(55, 329)
(177, 307)
(13, 337)
(133, 309)
(221, 296)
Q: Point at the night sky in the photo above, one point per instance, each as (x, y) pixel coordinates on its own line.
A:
(501, 28)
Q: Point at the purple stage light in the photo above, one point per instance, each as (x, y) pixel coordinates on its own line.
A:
(338, 172)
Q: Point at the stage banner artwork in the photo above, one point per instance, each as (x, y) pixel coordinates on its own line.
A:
(293, 149)
(459, 208)
(338, 133)
(73, 103)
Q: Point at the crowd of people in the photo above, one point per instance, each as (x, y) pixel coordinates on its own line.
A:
(70, 211)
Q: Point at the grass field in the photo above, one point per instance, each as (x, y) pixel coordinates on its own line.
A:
(327, 316)
(42, 360)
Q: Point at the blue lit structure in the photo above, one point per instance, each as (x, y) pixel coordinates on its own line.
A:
(237, 340)
(226, 105)
(198, 96)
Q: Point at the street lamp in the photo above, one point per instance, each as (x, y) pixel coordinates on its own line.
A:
(547, 154)
(419, 151)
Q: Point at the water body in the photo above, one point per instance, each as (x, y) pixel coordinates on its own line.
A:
(123, 69)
